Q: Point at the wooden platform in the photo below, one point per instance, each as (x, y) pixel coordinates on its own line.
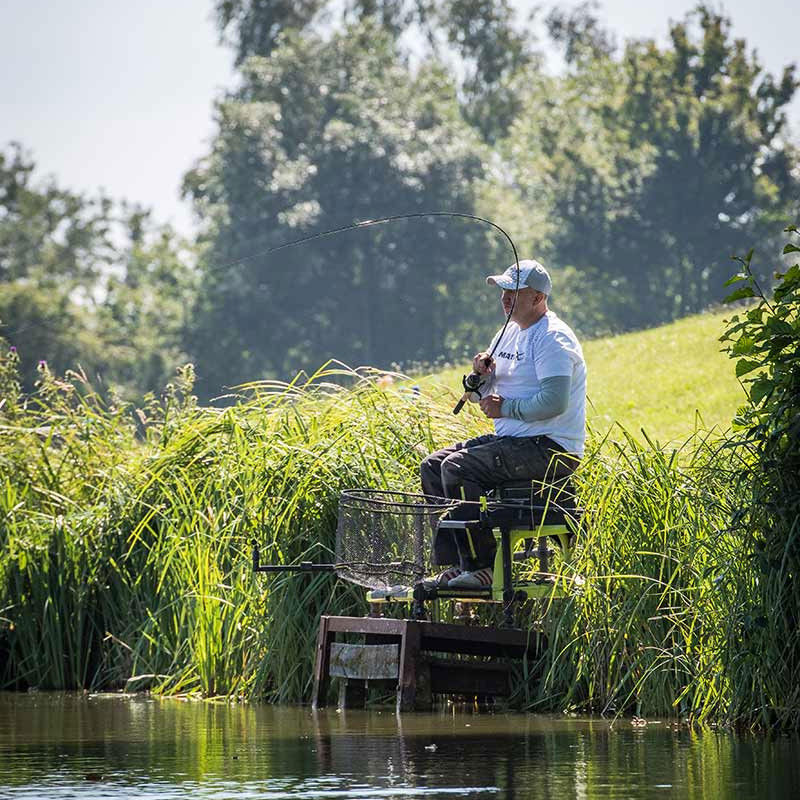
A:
(406, 654)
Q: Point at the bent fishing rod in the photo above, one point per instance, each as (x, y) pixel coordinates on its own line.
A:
(474, 380)
(471, 382)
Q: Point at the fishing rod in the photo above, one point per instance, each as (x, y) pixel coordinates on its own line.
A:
(474, 380)
(471, 382)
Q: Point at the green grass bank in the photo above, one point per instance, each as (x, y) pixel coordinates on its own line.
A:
(124, 534)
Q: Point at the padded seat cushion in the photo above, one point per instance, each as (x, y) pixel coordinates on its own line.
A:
(524, 515)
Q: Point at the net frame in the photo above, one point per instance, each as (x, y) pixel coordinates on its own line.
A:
(384, 537)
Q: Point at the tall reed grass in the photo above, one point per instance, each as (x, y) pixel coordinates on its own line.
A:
(661, 586)
(125, 546)
(125, 537)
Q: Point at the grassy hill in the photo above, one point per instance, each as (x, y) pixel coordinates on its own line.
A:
(668, 381)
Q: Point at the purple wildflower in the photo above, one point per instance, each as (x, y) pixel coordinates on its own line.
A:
(12, 349)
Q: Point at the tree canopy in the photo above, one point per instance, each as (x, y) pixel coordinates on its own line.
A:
(321, 134)
(633, 173)
(652, 167)
(88, 281)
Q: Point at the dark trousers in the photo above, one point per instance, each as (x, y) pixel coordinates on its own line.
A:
(466, 470)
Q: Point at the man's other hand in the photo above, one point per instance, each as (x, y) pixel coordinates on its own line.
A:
(483, 364)
(491, 404)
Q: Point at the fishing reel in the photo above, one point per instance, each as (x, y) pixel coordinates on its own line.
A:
(472, 384)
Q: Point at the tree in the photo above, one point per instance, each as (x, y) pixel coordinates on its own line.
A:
(321, 134)
(764, 340)
(580, 34)
(258, 24)
(48, 235)
(723, 171)
(494, 52)
(652, 163)
(143, 317)
(90, 281)
(480, 36)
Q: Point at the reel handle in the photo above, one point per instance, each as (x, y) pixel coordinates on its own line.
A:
(471, 383)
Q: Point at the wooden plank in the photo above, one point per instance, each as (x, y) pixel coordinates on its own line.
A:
(364, 661)
(325, 636)
(494, 649)
(409, 662)
(384, 626)
(387, 626)
(400, 652)
(485, 641)
(505, 636)
(446, 637)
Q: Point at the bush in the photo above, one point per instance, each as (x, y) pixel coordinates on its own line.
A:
(764, 341)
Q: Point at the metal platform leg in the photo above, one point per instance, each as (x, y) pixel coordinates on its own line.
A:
(418, 607)
(543, 553)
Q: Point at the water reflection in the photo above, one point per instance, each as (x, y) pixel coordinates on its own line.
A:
(111, 746)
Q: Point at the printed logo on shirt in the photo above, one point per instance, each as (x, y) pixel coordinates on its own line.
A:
(511, 356)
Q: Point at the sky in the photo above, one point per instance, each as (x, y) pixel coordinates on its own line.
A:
(118, 95)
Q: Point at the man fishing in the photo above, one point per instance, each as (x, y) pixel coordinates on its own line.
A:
(534, 390)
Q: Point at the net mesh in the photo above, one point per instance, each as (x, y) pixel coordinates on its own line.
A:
(383, 538)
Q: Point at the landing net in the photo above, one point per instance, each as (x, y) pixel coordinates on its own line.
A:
(384, 538)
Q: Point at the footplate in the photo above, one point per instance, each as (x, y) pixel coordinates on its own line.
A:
(548, 587)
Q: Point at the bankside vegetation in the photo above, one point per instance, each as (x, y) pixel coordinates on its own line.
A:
(124, 536)
(633, 172)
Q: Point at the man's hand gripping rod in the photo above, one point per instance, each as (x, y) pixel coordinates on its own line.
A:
(472, 384)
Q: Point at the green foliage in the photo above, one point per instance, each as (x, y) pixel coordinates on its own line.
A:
(320, 134)
(646, 626)
(49, 236)
(10, 389)
(722, 176)
(579, 33)
(493, 52)
(649, 166)
(124, 531)
(689, 560)
(631, 175)
(480, 35)
(258, 24)
(45, 326)
(764, 341)
(145, 313)
(125, 534)
(124, 537)
(84, 281)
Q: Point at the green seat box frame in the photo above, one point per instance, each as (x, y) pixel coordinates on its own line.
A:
(513, 540)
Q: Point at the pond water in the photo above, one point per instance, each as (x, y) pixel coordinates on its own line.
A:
(112, 746)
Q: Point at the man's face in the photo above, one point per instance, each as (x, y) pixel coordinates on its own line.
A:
(527, 300)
